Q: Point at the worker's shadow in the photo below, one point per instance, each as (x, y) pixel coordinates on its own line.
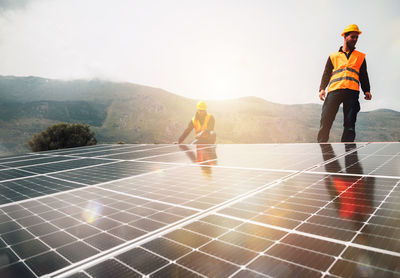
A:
(351, 195)
(205, 156)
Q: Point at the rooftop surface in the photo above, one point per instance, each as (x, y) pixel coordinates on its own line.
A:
(276, 210)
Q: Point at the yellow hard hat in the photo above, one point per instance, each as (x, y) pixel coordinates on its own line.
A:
(351, 28)
(201, 105)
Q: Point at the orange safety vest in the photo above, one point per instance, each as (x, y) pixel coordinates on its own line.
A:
(205, 155)
(350, 203)
(198, 127)
(345, 74)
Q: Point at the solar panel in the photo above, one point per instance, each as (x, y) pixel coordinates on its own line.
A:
(273, 210)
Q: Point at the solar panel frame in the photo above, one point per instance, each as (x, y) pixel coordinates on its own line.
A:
(240, 220)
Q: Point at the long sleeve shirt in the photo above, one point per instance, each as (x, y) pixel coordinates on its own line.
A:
(364, 80)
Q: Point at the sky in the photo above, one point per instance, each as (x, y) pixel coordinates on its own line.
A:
(208, 49)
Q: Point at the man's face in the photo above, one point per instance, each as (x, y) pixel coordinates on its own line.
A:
(201, 112)
(351, 39)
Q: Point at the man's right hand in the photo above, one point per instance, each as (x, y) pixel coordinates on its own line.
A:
(322, 95)
(368, 96)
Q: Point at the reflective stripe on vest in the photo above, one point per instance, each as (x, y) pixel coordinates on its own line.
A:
(345, 74)
(198, 127)
(351, 197)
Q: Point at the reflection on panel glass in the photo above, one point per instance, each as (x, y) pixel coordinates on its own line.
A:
(185, 217)
(204, 156)
(351, 195)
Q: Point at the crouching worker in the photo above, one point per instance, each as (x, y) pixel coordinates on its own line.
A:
(203, 124)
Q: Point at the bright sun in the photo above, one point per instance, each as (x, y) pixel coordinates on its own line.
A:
(222, 85)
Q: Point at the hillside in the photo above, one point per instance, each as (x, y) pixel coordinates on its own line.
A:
(139, 114)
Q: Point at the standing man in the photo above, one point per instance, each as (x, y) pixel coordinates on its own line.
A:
(344, 71)
(203, 124)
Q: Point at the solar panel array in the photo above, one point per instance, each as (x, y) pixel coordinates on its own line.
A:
(275, 210)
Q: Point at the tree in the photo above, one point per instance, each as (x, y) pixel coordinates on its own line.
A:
(62, 135)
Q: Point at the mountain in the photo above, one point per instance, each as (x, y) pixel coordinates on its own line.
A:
(139, 114)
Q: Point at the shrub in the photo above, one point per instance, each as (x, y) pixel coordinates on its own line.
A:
(62, 135)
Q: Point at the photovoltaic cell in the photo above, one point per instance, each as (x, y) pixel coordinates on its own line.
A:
(10, 174)
(16, 158)
(107, 151)
(148, 152)
(35, 161)
(278, 210)
(85, 149)
(64, 165)
(112, 171)
(17, 190)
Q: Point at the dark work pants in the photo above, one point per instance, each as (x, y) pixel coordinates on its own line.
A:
(351, 107)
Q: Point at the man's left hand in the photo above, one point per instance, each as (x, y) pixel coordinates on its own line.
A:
(201, 134)
(367, 96)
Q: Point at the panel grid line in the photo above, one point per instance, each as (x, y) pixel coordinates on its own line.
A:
(359, 230)
(152, 236)
(267, 210)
